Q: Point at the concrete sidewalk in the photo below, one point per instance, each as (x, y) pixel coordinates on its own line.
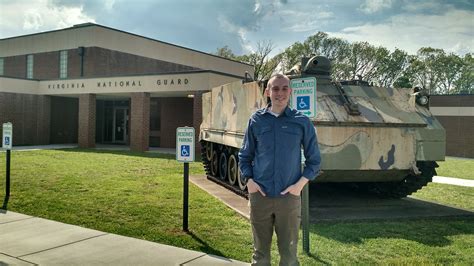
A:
(453, 181)
(27, 240)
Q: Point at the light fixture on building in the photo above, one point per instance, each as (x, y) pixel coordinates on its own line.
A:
(190, 95)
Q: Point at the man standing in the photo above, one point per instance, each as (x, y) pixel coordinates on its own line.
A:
(270, 159)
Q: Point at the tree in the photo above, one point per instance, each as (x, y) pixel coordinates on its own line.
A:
(425, 68)
(260, 59)
(319, 44)
(264, 65)
(403, 82)
(225, 52)
(432, 69)
(450, 71)
(292, 55)
(391, 67)
(361, 61)
(465, 81)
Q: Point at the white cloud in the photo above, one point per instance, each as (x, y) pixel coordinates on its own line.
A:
(227, 26)
(35, 16)
(32, 20)
(300, 21)
(421, 6)
(109, 4)
(372, 6)
(452, 31)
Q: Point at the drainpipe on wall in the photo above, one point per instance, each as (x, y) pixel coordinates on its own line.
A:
(80, 51)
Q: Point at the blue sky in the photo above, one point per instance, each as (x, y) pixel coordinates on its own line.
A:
(206, 25)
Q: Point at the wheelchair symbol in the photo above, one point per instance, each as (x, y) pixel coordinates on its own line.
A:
(185, 150)
(7, 141)
(303, 102)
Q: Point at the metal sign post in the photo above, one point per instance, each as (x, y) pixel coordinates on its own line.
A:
(303, 98)
(305, 218)
(305, 209)
(185, 153)
(7, 144)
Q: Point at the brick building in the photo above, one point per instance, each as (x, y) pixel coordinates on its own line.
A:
(92, 84)
(456, 114)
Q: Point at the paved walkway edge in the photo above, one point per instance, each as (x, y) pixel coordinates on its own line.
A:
(453, 181)
(28, 240)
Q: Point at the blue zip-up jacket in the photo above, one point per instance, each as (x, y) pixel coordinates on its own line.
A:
(271, 151)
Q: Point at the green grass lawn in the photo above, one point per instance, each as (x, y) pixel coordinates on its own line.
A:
(454, 167)
(140, 195)
(455, 196)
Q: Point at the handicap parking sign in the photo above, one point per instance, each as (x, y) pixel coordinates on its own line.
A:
(303, 95)
(185, 144)
(185, 150)
(7, 136)
(302, 103)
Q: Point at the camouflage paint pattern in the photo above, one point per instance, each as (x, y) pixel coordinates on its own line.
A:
(392, 131)
(226, 111)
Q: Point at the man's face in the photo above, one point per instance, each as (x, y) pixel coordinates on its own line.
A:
(279, 92)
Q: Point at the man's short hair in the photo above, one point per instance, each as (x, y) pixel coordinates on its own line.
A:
(277, 76)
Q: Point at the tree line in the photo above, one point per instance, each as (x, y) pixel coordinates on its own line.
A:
(433, 69)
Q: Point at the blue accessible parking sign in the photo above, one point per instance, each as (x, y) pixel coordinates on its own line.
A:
(185, 150)
(302, 103)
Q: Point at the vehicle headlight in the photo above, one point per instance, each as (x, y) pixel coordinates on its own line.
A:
(422, 97)
(422, 100)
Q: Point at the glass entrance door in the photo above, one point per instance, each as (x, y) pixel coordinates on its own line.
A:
(120, 125)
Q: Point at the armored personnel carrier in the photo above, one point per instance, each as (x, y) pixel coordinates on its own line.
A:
(384, 140)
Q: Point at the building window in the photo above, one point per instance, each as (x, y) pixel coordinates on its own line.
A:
(63, 64)
(2, 72)
(29, 66)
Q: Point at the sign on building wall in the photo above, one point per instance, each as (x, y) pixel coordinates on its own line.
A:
(7, 136)
(303, 96)
(185, 144)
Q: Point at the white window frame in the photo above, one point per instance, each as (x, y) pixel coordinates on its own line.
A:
(29, 66)
(63, 64)
(2, 66)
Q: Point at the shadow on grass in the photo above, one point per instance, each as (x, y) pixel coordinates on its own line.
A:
(122, 152)
(5, 203)
(206, 248)
(317, 258)
(349, 216)
(433, 232)
(153, 154)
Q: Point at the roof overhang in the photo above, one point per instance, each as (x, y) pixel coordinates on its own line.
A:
(164, 85)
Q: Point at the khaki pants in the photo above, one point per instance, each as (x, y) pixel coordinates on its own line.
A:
(283, 214)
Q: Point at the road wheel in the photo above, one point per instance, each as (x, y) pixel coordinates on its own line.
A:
(242, 183)
(208, 151)
(233, 169)
(223, 166)
(214, 163)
